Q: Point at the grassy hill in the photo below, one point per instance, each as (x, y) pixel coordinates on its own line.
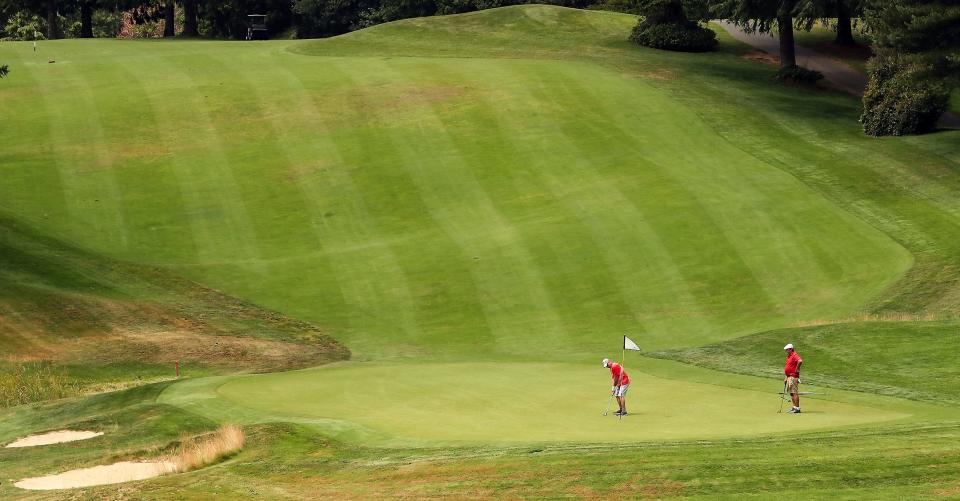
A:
(73, 322)
(478, 207)
(443, 206)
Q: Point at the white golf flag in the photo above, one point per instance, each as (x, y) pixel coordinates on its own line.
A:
(628, 344)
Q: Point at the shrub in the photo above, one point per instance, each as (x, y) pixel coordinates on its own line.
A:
(625, 6)
(25, 26)
(144, 21)
(445, 7)
(105, 24)
(665, 24)
(904, 96)
(683, 37)
(799, 75)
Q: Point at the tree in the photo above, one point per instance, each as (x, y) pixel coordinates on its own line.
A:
(667, 24)
(319, 18)
(169, 15)
(228, 18)
(4, 69)
(763, 16)
(86, 18)
(845, 10)
(53, 24)
(917, 43)
(190, 23)
(810, 11)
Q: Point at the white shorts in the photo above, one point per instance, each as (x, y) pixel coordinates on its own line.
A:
(620, 391)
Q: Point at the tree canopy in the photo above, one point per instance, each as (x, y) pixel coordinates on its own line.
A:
(917, 46)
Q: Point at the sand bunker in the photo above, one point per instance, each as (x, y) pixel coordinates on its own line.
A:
(99, 475)
(54, 437)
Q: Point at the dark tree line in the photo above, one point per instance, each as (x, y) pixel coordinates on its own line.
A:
(784, 16)
(916, 45)
(764, 16)
(228, 18)
(916, 42)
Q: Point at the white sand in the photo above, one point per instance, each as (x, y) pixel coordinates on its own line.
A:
(98, 475)
(54, 437)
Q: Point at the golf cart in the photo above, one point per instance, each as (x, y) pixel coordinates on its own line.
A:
(257, 27)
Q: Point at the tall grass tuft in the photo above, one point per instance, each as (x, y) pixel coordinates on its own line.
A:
(196, 452)
(25, 383)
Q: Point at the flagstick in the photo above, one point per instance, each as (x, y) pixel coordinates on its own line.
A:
(623, 351)
(623, 358)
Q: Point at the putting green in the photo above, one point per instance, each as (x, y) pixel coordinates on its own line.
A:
(523, 403)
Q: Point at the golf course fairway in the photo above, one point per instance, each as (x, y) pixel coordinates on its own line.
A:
(460, 217)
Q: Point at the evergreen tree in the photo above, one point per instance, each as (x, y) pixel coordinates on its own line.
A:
(844, 11)
(764, 16)
(917, 43)
(673, 25)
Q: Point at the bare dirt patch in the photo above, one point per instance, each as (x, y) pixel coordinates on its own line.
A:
(54, 437)
(125, 471)
(760, 56)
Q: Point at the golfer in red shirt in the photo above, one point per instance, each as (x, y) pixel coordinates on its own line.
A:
(621, 381)
(791, 383)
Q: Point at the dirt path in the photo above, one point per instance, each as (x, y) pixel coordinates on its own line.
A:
(836, 74)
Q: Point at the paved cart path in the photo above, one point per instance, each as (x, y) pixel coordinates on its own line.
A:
(837, 74)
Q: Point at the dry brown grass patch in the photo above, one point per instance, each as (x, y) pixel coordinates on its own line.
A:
(760, 56)
(648, 488)
(876, 317)
(948, 493)
(23, 384)
(197, 452)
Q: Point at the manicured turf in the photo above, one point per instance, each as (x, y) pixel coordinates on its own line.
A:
(460, 207)
(288, 461)
(905, 359)
(533, 402)
(460, 200)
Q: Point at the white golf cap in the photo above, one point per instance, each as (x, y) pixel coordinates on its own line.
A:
(606, 362)
(789, 346)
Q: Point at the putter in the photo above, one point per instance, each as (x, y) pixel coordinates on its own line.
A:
(607, 410)
(783, 397)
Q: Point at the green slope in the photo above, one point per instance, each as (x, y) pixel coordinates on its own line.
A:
(463, 199)
(461, 207)
(74, 322)
(904, 359)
